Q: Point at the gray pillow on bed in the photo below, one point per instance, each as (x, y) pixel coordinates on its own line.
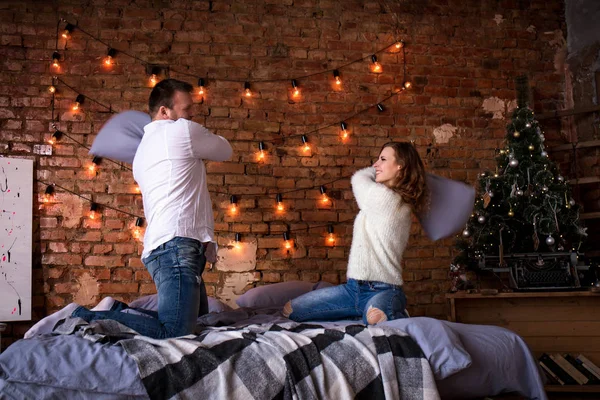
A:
(151, 303)
(277, 294)
(441, 345)
(120, 136)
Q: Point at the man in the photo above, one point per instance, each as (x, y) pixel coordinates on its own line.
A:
(169, 169)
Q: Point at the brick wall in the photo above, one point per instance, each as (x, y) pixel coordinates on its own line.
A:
(461, 57)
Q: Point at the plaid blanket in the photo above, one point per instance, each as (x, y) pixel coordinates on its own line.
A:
(276, 361)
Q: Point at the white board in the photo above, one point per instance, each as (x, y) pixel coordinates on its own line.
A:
(16, 226)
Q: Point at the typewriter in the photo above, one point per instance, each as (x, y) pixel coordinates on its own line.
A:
(536, 271)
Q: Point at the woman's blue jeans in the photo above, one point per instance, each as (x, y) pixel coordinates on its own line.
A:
(176, 268)
(349, 301)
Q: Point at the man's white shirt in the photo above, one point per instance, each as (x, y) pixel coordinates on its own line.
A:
(169, 169)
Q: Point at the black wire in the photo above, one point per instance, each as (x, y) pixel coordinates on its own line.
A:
(109, 108)
(90, 200)
(236, 80)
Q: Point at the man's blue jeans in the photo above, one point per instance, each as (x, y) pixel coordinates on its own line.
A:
(349, 301)
(176, 268)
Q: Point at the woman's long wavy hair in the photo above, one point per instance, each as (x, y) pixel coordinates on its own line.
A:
(412, 183)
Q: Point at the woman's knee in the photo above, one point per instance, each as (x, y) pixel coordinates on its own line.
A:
(375, 316)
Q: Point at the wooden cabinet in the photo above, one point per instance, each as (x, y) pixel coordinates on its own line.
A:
(550, 322)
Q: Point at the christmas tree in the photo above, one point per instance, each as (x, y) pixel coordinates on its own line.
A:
(525, 206)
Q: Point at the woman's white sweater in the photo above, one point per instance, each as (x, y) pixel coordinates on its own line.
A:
(381, 231)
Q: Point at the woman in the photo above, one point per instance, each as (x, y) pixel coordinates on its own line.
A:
(386, 194)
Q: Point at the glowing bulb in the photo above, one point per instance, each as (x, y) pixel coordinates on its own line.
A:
(344, 133)
(92, 214)
(247, 90)
(261, 151)
(76, 106)
(137, 189)
(248, 93)
(407, 85)
(280, 206)
(336, 76)
(92, 167)
(66, 34)
(288, 244)
(376, 67)
(233, 209)
(324, 198)
(331, 239)
(108, 61)
(201, 84)
(56, 59)
(306, 146)
(153, 79)
(52, 89)
(399, 45)
(296, 92)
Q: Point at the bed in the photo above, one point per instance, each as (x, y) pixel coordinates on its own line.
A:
(254, 352)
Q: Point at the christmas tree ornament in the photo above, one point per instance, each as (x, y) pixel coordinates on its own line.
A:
(531, 147)
(516, 134)
(544, 153)
(571, 202)
(550, 240)
(544, 188)
(528, 125)
(466, 233)
(513, 163)
(481, 219)
(511, 213)
(519, 192)
(502, 152)
(560, 178)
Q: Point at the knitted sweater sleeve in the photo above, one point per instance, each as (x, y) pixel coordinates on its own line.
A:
(372, 196)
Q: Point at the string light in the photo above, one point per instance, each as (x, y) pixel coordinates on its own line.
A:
(324, 197)
(137, 229)
(330, 236)
(52, 89)
(93, 210)
(201, 85)
(407, 85)
(95, 162)
(55, 137)
(336, 76)
(375, 66)
(305, 143)
(48, 193)
(108, 61)
(286, 241)
(154, 73)
(78, 102)
(295, 88)
(236, 242)
(56, 59)
(399, 44)
(233, 202)
(279, 200)
(69, 28)
(261, 151)
(344, 133)
(247, 90)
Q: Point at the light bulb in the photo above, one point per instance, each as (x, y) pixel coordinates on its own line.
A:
(108, 61)
(331, 239)
(153, 79)
(52, 89)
